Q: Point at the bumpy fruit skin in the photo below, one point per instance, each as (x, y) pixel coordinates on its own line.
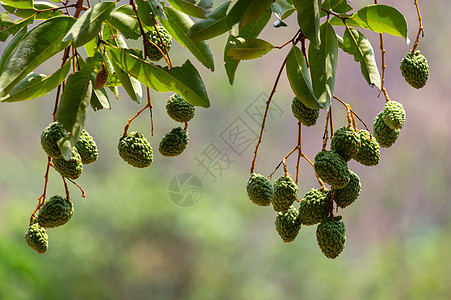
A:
(331, 236)
(87, 148)
(174, 142)
(179, 110)
(287, 224)
(347, 195)
(383, 134)
(415, 69)
(37, 238)
(71, 168)
(285, 193)
(394, 115)
(135, 150)
(49, 138)
(152, 51)
(345, 142)
(369, 153)
(314, 206)
(260, 190)
(55, 212)
(305, 115)
(332, 168)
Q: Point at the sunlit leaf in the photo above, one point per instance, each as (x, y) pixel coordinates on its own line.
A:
(215, 24)
(308, 19)
(195, 8)
(10, 47)
(8, 27)
(242, 49)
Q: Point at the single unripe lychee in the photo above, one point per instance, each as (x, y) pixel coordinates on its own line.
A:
(55, 212)
(287, 224)
(155, 45)
(305, 115)
(369, 153)
(179, 110)
(394, 115)
(345, 142)
(71, 168)
(415, 69)
(37, 238)
(383, 134)
(174, 142)
(87, 148)
(135, 150)
(332, 168)
(331, 236)
(347, 195)
(314, 206)
(49, 138)
(285, 193)
(260, 190)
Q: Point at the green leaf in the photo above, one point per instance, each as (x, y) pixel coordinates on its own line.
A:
(178, 25)
(38, 5)
(338, 6)
(184, 80)
(242, 49)
(37, 85)
(323, 65)
(145, 12)
(89, 24)
(38, 45)
(131, 85)
(356, 44)
(157, 9)
(10, 47)
(126, 24)
(195, 8)
(308, 19)
(8, 27)
(378, 18)
(236, 10)
(19, 3)
(282, 9)
(99, 97)
(253, 11)
(215, 24)
(299, 78)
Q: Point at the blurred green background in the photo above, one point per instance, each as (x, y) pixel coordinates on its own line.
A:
(128, 240)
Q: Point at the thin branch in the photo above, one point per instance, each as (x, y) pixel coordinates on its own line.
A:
(331, 203)
(41, 199)
(149, 103)
(66, 188)
(132, 118)
(326, 130)
(83, 194)
(166, 51)
(420, 29)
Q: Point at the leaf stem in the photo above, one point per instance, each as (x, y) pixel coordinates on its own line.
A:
(149, 103)
(41, 199)
(83, 194)
(132, 118)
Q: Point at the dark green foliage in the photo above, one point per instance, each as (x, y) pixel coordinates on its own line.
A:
(71, 168)
(179, 110)
(49, 138)
(287, 224)
(135, 150)
(314, 206)
(174, 142)
(87, 148)
(55, 212)
(37, 238)
(331, 236)
(153, 53)
(384, 135)
(394, 115)
(369, 153)
(348, 194)
(305, 115)
(332, 168)
(260, 190)
(345, 142)
(415, 69)
(285, 193)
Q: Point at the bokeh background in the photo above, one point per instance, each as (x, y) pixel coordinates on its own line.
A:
(128, 240)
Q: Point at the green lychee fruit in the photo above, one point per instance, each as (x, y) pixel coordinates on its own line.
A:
(153, 53)
(135, 150)
(347, 195)
(383, 134)
(331, 236)
(174, 142)
(314, 206)
(37, 238)
(369, 153)
(49, 138)
(305, 115)
(71, 168)
(87, 148)
(287, 224)
(394, 115)
(179, 110)
(345, 142)
(55, 212)
(332, 168)
(285, 193)
(415, 69)
(260, 190)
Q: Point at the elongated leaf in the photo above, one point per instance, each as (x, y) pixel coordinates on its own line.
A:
(254, 10)
(36, 85)
(157, 9)
(89, 24)
(38, 45)
(10, 47)
(184, 80)
(299, 78)
(236, 10)
(99, 97)
(130, 84)
(38, 5)
(126, 24)
(378, 18)
(195, 8)
(323, 65)
(308, 19)
(282, 9)
(242, 49)
(8, 27)
(356, 44)
(145, 12)
(338, 6)
(178, 25)
(215, 24)
(19, 3)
